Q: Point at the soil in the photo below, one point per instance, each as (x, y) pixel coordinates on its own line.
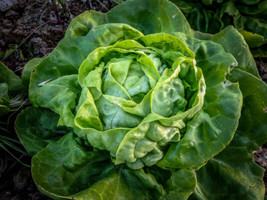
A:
(33, 28)
(262, 67)
(36, 27)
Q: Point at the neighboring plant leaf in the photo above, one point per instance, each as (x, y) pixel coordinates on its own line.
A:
(12, 80)
(249, 17)
(4, 110)
(254, 40)
(4, 99)
(11, 90)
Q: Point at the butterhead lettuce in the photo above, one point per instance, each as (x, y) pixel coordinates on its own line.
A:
(134, 104)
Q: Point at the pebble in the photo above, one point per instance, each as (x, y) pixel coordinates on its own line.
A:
(7, 4)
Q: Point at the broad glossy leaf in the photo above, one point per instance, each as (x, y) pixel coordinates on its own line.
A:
(181, 184)
(239, 177)
(125, 184)
(28, 69)
(4, 99)
(65, 167)
(72, 171)
(152, 16)
(233, 43)
(149, 16)
(252, 123)
(60, 96)
(4, 110)
(231, 175)
(37, 127)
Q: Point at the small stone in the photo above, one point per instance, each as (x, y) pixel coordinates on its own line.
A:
(5, 21)
(7, 24)
(11, 13)
(7, 4)
(264, 76)
(6, 31)
(39, 46)
(21, 179)
(30, 188)
(16, 198)
(2, 42)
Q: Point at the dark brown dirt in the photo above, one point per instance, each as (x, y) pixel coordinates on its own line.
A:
(33, 29)
(17, 183)
(262, 67)
(34, 26)
(260, 156)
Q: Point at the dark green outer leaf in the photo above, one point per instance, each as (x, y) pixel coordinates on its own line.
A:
(254, 112)
(37, 127)
(4, 99)
(152, 16)
(72, 171)
(10, 87)
(235, 166)
(4, 110)
(254, 40)
(235, 44)
(65, 167)
(231, 175)
(181, 184)
(259, 52)
(28, 69)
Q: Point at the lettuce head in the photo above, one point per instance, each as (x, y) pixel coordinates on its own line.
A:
(134, 104)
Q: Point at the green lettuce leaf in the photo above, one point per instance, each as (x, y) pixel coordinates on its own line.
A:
(235, 165)
(28, 69)
(78, 173)
(11, 90)
(37, 127)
